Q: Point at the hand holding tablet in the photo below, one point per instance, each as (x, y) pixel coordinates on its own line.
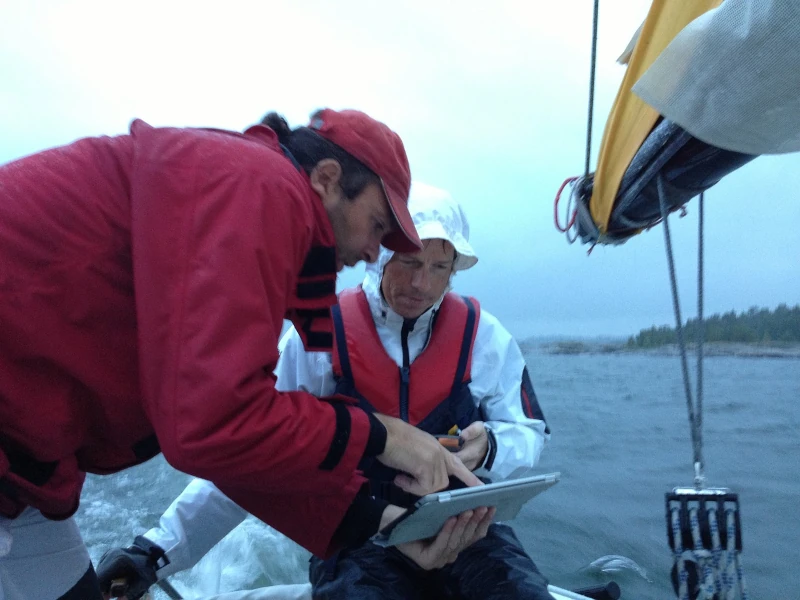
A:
(427, 517)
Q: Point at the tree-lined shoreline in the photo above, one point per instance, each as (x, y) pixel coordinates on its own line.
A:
(755, 333)
(711, 349)
(755, 326)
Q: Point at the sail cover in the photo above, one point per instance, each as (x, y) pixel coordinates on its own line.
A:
(709, 86)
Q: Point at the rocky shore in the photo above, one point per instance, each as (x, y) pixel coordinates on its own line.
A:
(789, 351)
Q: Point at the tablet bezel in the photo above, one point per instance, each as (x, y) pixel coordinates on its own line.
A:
(429, 514)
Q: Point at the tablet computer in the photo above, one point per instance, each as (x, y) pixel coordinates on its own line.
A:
(427, 517)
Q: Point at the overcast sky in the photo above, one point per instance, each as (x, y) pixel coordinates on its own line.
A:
(489, 97)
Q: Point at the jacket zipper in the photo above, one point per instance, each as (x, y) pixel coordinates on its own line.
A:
(405, 370)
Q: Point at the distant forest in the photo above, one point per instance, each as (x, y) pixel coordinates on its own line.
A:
(756, 326)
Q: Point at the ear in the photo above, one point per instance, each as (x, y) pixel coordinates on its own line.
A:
(325, 177)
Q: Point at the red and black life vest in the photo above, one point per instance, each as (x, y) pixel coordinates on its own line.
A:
(431, 393)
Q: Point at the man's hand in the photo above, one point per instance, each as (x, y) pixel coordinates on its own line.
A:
(427, 463)
(457, 534)
(476, 445)
(134, 567)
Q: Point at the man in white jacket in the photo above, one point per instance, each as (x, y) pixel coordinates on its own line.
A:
(407, 347)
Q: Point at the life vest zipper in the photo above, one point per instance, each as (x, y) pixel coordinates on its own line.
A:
(405, 370)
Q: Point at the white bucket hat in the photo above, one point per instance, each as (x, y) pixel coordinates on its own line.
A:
(437, 216)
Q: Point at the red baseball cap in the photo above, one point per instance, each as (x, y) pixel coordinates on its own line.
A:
(380, 149)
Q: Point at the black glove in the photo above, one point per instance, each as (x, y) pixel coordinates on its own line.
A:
(135, 567)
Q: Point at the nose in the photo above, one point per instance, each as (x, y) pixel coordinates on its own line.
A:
(371, 252)
(421, 280)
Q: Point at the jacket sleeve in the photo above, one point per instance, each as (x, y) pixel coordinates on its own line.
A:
(500, 382)
(193, 524)
(216, 254)
(299, 369)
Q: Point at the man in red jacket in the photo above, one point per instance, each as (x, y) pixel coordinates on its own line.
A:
(144, 280)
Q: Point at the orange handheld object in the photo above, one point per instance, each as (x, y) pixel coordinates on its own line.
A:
(453, 443)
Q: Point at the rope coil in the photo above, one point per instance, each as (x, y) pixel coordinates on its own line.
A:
(707, 572)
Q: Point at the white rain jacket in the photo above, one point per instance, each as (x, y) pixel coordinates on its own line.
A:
(202, 515)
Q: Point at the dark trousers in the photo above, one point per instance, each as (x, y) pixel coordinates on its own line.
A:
(87, 588)
(494, 567)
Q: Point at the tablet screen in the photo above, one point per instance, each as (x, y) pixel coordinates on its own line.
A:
(427, 517)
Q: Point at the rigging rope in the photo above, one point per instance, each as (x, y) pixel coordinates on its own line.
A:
(719, 571)
(573, 213)
(694, 421)
(699, 477)
(570, 220)
(591, 88)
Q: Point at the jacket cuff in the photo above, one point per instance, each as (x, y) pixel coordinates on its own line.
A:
(491, 451)
(376, 443)
(361, 521)
(157, 556)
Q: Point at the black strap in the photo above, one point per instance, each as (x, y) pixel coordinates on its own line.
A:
(320, 261)
(530, 403)
(341, 342)
(492, 450)
(304, 319)
(22, 464)
(466, 345)
(309, 290)
(157, 554)
(341, 436)
(146, 448)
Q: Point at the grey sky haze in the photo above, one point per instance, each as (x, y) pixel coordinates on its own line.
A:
(490, 98)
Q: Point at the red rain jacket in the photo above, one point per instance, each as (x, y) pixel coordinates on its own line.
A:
(143, 283)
